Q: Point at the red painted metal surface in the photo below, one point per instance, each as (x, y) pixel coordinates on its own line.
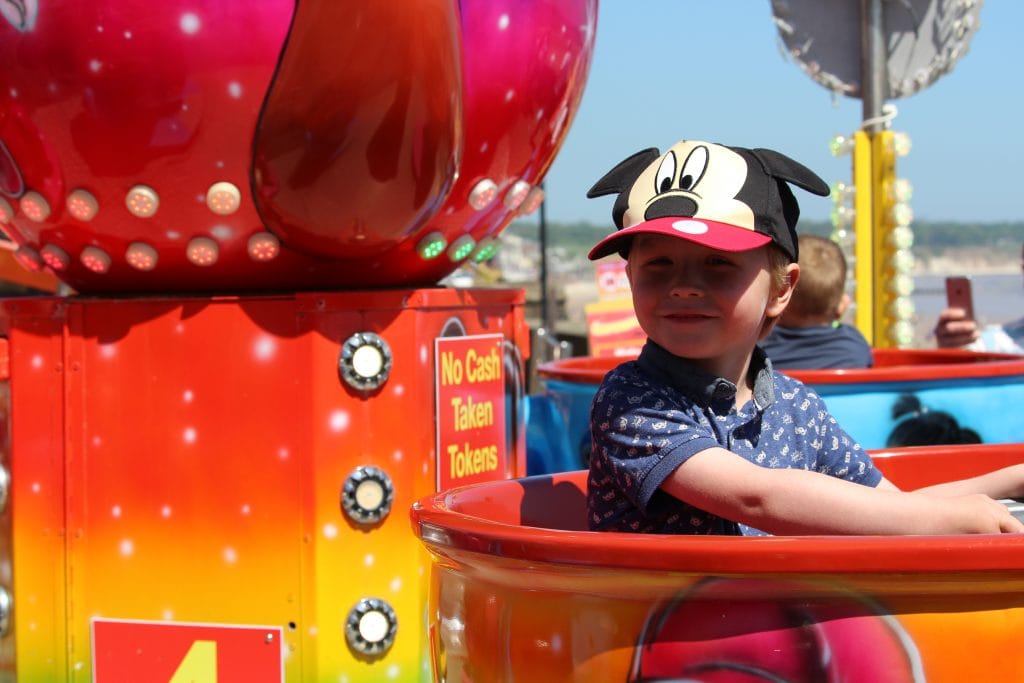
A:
(183, 460)
(891, 365)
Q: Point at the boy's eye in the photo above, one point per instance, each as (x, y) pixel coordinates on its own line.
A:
(658, 261)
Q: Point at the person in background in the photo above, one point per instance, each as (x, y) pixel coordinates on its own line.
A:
(955, 330)
(810, 334)
(917, 425)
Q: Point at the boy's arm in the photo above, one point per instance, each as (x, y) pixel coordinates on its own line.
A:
(794, 501)
(1005, 483)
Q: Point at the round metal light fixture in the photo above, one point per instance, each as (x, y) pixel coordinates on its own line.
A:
(141, 256)
(482, 194)
(223, 198)
(82, 204)
(142, 201)
(202, 251)
(516, 194)
(34, 206)
(371, 626)
(431, 246)
(533, 200)
(95, 259)
(461, 248)
(367, 495)
(485, 250)
(55, 257)
(263, 246)
(28, 258)
(365, 361)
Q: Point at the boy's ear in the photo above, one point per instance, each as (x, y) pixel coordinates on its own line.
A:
(844, 303)
(778, 301)
(777, 304)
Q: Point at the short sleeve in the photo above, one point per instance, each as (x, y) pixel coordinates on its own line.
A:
(641, 434)
(834, 451)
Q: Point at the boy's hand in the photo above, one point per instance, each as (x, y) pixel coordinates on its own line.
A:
(976, 513)
(954, 329)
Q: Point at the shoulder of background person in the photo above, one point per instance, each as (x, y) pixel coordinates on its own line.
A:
(1008, 338)
(1015, 330)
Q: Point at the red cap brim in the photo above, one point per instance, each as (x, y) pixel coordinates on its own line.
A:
(721, 236)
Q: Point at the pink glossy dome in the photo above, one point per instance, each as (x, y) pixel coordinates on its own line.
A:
(231, 146)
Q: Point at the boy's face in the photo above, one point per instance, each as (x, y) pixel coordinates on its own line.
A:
(702, 304)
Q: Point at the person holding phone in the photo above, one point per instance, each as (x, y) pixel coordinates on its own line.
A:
(957, 327)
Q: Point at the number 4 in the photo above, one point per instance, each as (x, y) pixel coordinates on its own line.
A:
(199, 664)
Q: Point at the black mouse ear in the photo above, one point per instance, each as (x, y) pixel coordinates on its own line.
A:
(624, 174)
(782, 167)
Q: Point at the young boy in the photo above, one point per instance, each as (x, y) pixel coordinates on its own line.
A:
(699, 435)
(809, 334)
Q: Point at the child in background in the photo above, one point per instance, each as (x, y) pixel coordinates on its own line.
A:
(699, 435)
(809, 334)
(917, 425)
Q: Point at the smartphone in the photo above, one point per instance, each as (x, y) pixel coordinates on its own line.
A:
(958, 294)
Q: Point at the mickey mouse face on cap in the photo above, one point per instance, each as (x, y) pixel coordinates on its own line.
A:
(692, 179)
(726, 198)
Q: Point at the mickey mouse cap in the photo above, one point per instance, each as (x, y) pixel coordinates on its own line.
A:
(726, 198)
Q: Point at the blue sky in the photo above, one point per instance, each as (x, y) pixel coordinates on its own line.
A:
(664, 70)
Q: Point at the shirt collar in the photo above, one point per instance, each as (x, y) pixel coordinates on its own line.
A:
(702, 386)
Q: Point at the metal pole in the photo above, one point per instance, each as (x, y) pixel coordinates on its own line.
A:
(873, 63)
(545, 308)
(873, 79)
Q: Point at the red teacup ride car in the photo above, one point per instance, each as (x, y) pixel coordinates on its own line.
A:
(520, 590)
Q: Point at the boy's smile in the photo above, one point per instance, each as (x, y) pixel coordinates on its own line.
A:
(702, 304)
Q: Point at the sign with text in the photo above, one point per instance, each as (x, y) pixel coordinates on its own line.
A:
(174, 652)
(612, 282)
(470, 381)
(613, 330)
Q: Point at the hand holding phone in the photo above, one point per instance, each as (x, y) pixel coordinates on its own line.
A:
(958, 294)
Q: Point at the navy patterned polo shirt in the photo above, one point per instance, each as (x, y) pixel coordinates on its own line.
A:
(650, 415)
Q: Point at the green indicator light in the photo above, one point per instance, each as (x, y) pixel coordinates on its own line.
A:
(432, 246)
(486, 251)
(461, 248)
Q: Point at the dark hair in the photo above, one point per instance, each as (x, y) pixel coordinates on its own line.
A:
(918, 426)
